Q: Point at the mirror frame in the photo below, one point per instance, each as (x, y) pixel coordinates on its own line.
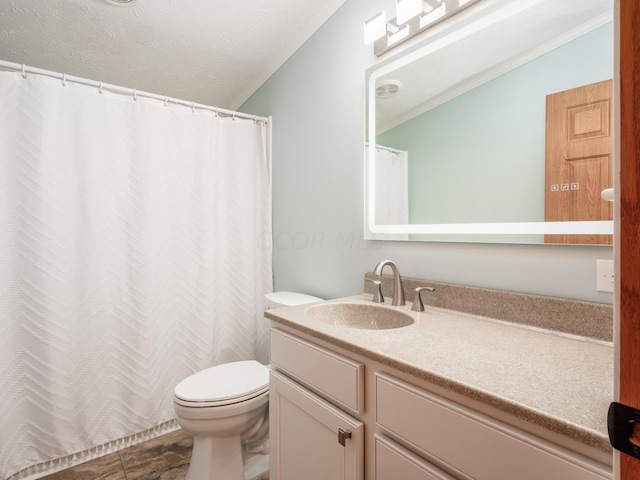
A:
(373, 231)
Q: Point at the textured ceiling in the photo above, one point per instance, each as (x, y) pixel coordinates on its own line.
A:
(216, 52)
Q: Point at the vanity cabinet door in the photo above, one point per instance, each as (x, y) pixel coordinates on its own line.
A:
(306, 442)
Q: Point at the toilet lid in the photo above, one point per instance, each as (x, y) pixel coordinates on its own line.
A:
(224, 384)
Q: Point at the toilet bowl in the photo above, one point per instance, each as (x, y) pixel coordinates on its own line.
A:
(225, 407)
(222, 406)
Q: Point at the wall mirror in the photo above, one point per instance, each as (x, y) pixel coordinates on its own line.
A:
(496, 126)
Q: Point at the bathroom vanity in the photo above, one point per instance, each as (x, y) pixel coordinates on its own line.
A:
(447, 395)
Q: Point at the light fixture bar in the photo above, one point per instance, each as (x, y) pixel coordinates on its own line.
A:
(398, 36)
(412, 17)
(406, 10)
(432, 16)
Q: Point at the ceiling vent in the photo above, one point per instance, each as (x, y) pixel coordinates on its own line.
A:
(121, 3)
(388, 88)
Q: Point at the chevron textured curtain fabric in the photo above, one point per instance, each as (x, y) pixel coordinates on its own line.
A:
(134, 250)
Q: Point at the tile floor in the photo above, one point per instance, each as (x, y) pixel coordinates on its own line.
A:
(163, 458)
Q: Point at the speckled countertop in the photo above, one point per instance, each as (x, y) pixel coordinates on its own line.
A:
(555, 380)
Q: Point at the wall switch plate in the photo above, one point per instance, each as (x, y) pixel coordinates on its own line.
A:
(604, 276)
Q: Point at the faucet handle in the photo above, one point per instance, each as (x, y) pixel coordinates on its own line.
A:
(377, 292)
(418, 306)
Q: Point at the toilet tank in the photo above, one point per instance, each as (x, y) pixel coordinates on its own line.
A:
(288, 299)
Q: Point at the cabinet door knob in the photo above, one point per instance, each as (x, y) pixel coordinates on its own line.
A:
(343, 435)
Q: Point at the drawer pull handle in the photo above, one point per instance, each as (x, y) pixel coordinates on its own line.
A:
(343, 435)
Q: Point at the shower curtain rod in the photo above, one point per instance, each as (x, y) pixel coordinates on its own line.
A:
(388, 149)
(127, 91)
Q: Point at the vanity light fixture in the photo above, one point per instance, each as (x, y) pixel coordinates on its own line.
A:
(408, 9)
(412, 17)
(399, 35)
(375, 28)
(432, 16)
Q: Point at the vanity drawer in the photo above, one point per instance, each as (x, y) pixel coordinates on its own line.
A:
(337, 378)
(394, 462)
(476, 445)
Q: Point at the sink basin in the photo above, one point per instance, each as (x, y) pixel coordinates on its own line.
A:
(356, 315)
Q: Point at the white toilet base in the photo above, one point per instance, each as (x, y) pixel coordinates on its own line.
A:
(216, 459)
(221, 459)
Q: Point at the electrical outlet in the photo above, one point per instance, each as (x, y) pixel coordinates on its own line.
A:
(604, 276)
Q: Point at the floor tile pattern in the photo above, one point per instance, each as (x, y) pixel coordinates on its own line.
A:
(163, 458)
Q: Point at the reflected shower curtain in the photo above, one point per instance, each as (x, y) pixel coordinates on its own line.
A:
(134, 251)
(392, 189)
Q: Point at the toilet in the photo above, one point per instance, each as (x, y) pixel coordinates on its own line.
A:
(226, 409)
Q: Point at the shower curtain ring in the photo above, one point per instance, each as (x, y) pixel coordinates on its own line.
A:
(24, 73)
(64, 79)
(100, 88)
(166, 100)
(193, 107)
(135, 95)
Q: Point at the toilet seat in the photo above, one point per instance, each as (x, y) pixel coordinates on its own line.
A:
(224, 384)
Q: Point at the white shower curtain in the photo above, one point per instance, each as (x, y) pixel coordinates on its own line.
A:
(392, 188)
(134, 251)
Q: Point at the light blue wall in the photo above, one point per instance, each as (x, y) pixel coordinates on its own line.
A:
(502, 120)
(317, 102)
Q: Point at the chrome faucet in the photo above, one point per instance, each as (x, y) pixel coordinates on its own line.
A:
(398, 291)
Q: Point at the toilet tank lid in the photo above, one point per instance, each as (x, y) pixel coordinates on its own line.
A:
(289, 299)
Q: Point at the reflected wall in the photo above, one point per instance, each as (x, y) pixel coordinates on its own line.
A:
(491, 140)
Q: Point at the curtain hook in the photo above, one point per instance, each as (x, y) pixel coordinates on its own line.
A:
(100, 88)
(64, 79)
(233, 116)
(24, 73)
(166, 100)
(193, 107)
(135, 95)
(215, 110)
